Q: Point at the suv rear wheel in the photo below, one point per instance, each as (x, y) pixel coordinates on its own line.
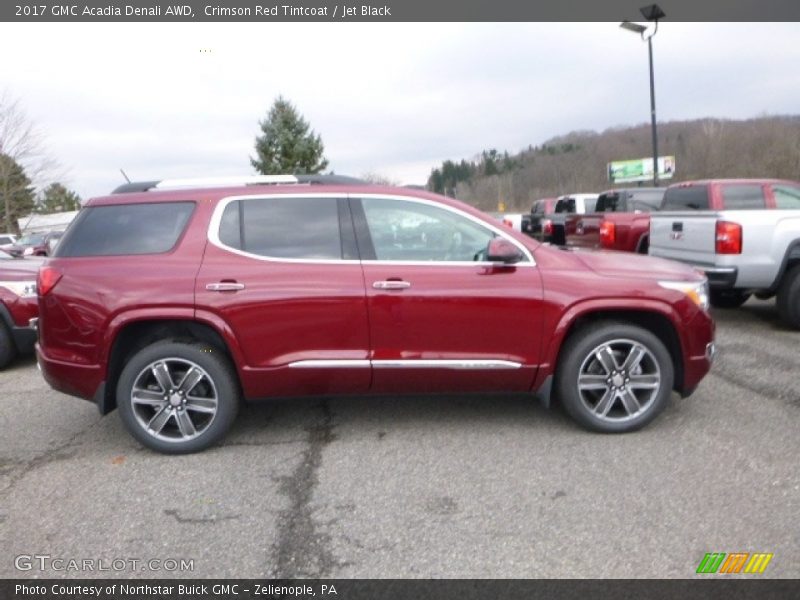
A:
(177, 397)
(614, 377)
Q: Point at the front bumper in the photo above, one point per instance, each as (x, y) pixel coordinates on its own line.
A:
(699, 350)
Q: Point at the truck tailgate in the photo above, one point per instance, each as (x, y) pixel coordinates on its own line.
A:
(686, 236)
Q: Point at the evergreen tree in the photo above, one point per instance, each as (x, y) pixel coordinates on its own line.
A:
(286, 145)
(58, 198)
(16, 194)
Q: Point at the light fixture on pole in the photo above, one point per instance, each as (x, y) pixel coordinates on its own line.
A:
(653, 13)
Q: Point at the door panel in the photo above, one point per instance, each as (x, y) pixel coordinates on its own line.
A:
(454, 324)
(288, 310)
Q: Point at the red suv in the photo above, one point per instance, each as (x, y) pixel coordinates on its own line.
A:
(173, 302)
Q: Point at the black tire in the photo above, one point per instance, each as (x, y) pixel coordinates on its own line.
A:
(728, 298)
(788, 299)
(8, 350)
(644, 245)
(579, 358)
(216, 389)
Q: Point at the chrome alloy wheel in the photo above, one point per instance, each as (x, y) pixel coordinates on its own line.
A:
(174, 399)
(619, 380)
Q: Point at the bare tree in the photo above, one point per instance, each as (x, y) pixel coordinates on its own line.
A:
(22, 145)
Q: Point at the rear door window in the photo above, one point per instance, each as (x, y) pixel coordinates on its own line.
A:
(120, 229)
(692, 197)
(743, 197)
(283, 227)
(787, 196)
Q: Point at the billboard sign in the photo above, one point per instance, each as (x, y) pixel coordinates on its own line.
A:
(640, 169)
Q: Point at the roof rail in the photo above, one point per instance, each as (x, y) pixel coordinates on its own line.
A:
(204, 182)
(134, 186)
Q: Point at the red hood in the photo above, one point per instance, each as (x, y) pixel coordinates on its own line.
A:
(628, 265)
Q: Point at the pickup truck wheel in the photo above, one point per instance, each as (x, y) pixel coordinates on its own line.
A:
(788, 300)
(614, 377)
(177, 397)
(7, 348)
(728, 298)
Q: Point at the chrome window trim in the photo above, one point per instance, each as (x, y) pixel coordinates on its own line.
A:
(216, 218)
(411, 363)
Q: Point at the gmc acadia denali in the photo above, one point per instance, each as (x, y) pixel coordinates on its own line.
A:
(172, 301)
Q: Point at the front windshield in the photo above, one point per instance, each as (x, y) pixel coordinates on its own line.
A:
(31, 240)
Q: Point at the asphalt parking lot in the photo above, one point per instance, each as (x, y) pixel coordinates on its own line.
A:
(419, 487)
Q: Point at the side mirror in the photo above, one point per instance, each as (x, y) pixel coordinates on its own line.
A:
(501, 250)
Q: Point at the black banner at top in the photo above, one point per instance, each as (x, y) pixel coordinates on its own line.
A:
(390, 10)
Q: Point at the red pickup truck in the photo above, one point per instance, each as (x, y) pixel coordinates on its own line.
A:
(621, 221)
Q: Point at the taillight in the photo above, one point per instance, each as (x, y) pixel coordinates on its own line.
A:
(508, 223)
(547, 227)
(729, 238)
(47, 279)
(608, 233)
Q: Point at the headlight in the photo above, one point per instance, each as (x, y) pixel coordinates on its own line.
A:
(696, 290)
(24, 289)
(28, 251)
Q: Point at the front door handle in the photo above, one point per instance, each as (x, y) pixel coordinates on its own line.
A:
(391, 284)
(225, 286)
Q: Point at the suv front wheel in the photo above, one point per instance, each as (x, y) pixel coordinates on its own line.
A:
(614, 377)
(177, 397)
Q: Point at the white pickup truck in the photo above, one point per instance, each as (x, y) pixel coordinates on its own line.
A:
(742, 251)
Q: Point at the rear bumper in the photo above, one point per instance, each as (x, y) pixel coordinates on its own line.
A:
(82, 381)
(720, 277)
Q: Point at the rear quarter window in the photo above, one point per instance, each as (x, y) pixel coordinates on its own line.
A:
(693, 197)
(122, 229)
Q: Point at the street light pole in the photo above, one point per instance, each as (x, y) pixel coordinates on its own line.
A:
(653, 13)
(653, 109)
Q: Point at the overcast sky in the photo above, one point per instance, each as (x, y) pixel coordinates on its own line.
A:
(395, 99)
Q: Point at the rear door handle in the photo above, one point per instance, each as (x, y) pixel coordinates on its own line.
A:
(225, 286)
(391, 284)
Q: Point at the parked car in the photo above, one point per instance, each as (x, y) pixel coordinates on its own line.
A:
(569, 204)
(18, 305)
(266, 290)
(744, 234)
(7, 239)
(541, 222)
(35, 244)
(620, 221)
